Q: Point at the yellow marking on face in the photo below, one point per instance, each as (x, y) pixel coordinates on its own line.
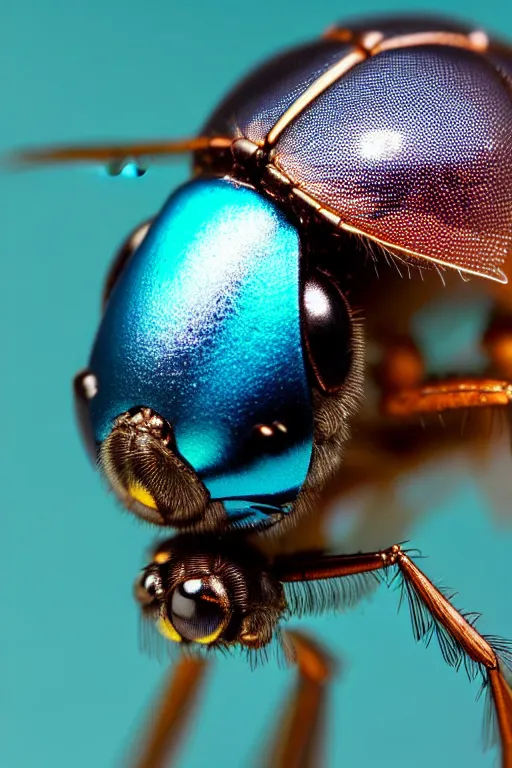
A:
(162, 557)
(214, 635)
(140, 494)
(166, 629)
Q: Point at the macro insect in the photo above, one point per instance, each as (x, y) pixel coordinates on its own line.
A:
(230, 361)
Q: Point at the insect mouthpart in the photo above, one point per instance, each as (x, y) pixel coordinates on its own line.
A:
(140, 460)
(146, 420)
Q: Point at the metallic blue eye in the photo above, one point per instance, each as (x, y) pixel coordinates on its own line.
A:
(200, 344)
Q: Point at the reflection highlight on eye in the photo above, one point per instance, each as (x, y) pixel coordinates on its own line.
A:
(317, 304)
(380, 145)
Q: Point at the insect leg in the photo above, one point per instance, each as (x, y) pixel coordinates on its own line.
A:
(431, 613)
(298, 735)
(407, 393)
(168, 720)
(447, 395)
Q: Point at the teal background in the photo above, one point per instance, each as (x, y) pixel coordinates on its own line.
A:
(73, 685)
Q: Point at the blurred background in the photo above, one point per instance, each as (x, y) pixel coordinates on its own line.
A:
(74, 685)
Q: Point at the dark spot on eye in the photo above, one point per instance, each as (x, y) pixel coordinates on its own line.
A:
(327, 332)
(196, 610)
(270, 438)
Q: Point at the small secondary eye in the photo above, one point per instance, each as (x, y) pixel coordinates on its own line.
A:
(148, 588)
(327, 331)
(198, 611)
(85, 388)
(151, 584)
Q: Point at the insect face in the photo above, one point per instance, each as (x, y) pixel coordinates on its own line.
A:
(201, 592)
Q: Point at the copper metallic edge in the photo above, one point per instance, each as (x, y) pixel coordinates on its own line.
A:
(502, 697)
(321, 84)
(447, 395)
(472, 42)
(498, 276)
(374, 41)
(338, 34)
(335, 219)
(369, 43)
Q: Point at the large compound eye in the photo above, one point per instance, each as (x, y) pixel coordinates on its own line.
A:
(327, 331)
(198, 610)
(122, 257)
(415, 152)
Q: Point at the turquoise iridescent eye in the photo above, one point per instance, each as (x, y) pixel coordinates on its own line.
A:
(202, 331)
